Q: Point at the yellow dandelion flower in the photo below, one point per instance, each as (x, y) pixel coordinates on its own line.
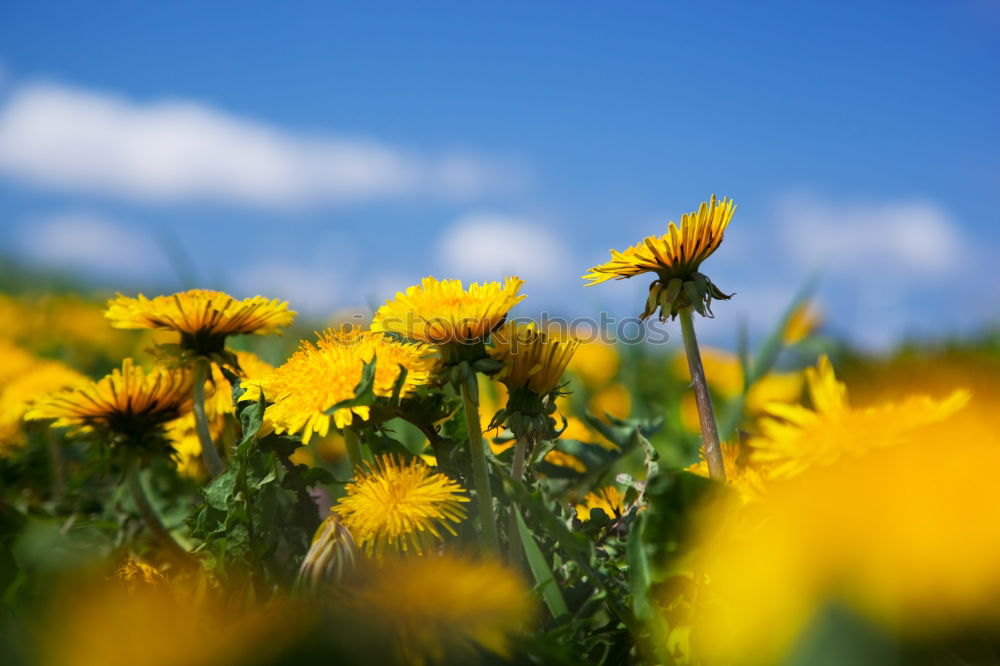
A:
(162, 624)
(793, 437)
(19, 394)
(399, 505)
(609, 499)
(129, 404)
(440, 608)
(441, 311)
(203, 317)
(532, 359)
(318, 376)
(675, 258)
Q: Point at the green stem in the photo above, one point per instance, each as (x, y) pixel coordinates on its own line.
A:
(209, 456)
(480, 471)
(150, 517)
(709, 429)
(515, 550)
(353, 446)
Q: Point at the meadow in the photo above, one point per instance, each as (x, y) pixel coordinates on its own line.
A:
(193, 478)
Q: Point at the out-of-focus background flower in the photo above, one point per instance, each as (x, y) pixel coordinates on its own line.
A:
(331, 154)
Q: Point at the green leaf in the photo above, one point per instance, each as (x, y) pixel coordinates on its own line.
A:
(218, 492)
(397, 387)
(364, 394)
(544, 580)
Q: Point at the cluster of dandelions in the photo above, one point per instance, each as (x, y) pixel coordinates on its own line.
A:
(813, 503)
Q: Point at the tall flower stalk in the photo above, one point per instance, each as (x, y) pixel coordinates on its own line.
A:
(150, 518)
(209, 454)
(480, 470)
(679, 290)
(706, 413)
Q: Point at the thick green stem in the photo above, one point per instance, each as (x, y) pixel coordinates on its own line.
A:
(517, 472)
(709, 429)
(149, 516)
(209, 456)
(353, 446)
(480, 471)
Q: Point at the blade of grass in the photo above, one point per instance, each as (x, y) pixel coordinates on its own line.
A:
(544, 579)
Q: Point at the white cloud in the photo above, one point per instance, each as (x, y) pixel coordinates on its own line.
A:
(179, 150)
(92, 243)
(915, 239)
(489, 246)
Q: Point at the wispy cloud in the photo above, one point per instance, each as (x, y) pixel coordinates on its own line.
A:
(915, 239)
(181, 150)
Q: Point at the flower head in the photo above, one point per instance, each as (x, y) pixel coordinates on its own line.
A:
(203, 317)
(441, 311)
(532, 359)
(793, 437)
(318, 376)
(440, 609)
(400, 505)
(675, 258)
(129, 405)
(331, 555)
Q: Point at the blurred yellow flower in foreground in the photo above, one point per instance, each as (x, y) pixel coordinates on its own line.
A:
(318, 376)
(442, 311)
(442, 607)
(793, 437)
(400, 505)
(907, 536)
(131, 623)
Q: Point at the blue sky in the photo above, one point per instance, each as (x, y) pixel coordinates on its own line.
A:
(330, 154)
